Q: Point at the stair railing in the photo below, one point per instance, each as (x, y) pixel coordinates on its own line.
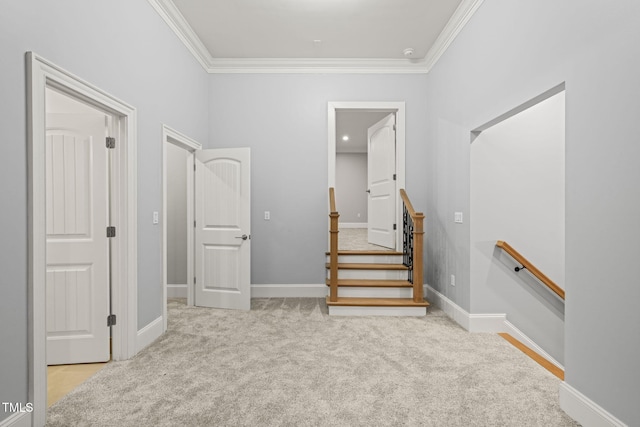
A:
(526, 265)
(413, 245)
(333, 246)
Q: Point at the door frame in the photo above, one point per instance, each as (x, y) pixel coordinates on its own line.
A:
(374, 106)
(42, 73)
(173, 137)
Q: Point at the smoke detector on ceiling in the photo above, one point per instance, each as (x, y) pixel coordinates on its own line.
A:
(408, 52)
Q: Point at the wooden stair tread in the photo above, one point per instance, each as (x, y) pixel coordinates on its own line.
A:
(373, 283)
(369, 266)
(377, 302)
(352, 252)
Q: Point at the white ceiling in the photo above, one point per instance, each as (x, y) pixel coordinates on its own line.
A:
(308, 35)
(355, 124)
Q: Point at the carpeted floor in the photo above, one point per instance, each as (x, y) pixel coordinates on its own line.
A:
(287, 363)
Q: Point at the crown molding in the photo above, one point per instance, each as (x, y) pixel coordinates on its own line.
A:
(456, 23)
(176, 21)
(314, 65)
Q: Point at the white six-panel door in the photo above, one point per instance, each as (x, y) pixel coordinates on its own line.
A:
(77, 278)
(223, 221)
(381, 166)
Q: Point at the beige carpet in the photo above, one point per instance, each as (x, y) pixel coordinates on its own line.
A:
(286, 363)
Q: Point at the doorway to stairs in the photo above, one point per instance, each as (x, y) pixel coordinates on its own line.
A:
(366, 166)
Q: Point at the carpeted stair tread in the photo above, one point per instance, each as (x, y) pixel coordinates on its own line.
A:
(377, 302)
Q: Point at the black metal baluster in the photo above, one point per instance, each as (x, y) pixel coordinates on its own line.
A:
(407, 241)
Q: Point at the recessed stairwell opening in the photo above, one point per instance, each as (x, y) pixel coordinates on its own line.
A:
(518, 196)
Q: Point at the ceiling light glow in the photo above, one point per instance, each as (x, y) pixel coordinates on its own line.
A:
(345, 138)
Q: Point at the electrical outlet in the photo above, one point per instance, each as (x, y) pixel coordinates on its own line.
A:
(267, 215)
(457, 217)
(156, 217)
(453, 280)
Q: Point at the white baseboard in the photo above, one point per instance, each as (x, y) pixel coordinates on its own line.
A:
(149, 334)
(17, 419)
(492, 323)
(584, 410)
(451, 309)
(176, 291)
(289, 291)
(520, 336)
(352, 225)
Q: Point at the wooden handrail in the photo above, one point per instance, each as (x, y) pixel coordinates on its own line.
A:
(417, 272)
(333, 247)
(408, 204)
(332, 200)
(532, 268)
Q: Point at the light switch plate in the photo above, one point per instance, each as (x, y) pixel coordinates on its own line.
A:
(457, 217)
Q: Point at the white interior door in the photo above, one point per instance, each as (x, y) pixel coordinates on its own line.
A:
(77, 253)
(223, 235)
(381, 164)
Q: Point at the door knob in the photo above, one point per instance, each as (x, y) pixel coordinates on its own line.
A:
(243, 237)
(368, 191)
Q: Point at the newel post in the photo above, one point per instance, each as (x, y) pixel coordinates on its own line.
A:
(418, 265)
(333, 257)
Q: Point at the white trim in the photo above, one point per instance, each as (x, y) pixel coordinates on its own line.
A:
(40, 74)
(459, 19)
(584, 410)
(352, 225)
(179, 25)
(337, 310)
(315, 66)
(520, 336)
(172, 136)
(289, 291)
(18, 419)
(177, 291)
(451, 309)
(399, 109)
(149, 333)
(492, 323)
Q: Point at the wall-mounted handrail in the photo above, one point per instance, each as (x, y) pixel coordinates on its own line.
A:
(413, 245)
(333, 247)
(526, 264)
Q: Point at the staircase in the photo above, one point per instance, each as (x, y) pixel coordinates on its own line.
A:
(378, 283)
(373, 283)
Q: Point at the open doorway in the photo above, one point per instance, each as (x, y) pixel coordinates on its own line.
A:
(366, 168)
(42, 75)
(177, 214)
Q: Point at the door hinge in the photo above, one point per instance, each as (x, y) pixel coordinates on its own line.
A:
(194, 280)
(111, 142)
(194, 224)
(394, 226)
(394, 176)
(111, 231)
(394, 127)
(111, 320)
(194, 167)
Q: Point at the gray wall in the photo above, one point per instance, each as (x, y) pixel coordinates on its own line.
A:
(176, 215)
(351, 187)
(507, 54)
(283, 118)
(123, 47)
